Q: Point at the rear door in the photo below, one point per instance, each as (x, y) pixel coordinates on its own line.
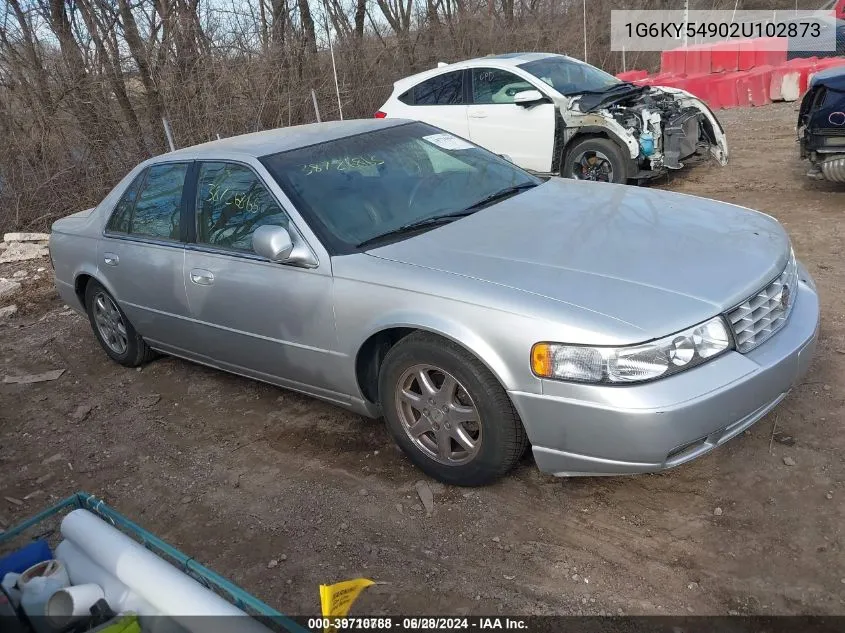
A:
(525, 133)
(268, 320)
(439, 101)
(141, 254)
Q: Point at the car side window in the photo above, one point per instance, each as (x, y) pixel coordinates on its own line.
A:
(232, 202)
(122, 214)
(407, 97)
(491, 85)
(827, 97)
(446, 89)
(159, 205)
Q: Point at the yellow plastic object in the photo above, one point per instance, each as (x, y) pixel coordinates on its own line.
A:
(336, 599)
(124, 624)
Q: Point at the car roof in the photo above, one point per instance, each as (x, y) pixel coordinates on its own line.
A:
(504, 60)
(830, 77)
(512, 59)
(258, 144)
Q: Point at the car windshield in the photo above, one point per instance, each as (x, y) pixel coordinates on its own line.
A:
(570, 76)
(354, 190)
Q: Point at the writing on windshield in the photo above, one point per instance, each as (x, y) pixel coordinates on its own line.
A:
(346, 163)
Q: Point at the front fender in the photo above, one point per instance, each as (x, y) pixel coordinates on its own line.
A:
(450, 329)
(684, 98)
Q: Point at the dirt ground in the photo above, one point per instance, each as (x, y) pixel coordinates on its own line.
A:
(238, 474)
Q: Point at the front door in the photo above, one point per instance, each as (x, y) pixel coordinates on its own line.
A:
(268, 320)
(526, 134)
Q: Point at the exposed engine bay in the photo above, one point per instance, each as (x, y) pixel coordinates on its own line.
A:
(663, 128)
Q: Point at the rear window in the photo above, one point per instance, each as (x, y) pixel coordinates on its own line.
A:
(122, 214)
(159, 204)
(151, 206)
(407, 97)
(446, 89)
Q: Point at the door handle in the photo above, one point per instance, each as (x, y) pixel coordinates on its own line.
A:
(478, 115)
(110, 259)
(202, 277)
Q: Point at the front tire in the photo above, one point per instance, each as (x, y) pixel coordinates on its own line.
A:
(448, 413)
(113, 330)
(598, 159)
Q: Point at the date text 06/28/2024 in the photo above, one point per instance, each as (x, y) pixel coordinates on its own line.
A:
(417, 623)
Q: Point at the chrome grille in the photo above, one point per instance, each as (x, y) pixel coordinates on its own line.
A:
(758, 318)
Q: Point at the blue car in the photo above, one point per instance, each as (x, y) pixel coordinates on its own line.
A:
(821, 125)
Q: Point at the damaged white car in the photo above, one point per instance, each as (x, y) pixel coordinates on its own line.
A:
(555, 115)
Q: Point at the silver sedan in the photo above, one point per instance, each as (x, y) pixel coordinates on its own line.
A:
(400, 271)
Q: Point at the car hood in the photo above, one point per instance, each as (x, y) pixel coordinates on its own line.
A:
(658, 261)
(589, 102)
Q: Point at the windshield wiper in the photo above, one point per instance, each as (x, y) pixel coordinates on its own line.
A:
(445, 218)
(416, 225)
(507, 192)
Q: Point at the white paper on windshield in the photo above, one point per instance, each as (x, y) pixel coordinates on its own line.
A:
(447, 141)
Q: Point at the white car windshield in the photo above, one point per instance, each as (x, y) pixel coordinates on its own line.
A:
(391, 183)
(570, 76)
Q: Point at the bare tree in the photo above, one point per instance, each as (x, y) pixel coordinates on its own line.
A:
(85, 84)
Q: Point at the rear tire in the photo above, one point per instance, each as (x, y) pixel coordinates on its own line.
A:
(595, 158)
(113, 330)
(448, 413)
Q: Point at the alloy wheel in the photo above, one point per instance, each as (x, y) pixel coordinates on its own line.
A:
(592, 165)
(438, 415)
(110, 323)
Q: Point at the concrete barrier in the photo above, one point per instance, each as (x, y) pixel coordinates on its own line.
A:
(738, 73)
(753, 87)
(725, 57)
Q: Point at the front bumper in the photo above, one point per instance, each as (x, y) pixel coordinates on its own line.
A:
(578, 429)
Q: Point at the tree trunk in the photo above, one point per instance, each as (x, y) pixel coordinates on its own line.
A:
(360, 14)
(113, 73)
(77, 76)
(308, 33)
(155, 106)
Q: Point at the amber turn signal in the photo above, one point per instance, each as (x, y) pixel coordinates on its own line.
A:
(541, 360)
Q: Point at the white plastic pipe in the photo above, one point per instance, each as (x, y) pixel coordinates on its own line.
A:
(53, 570)
(10, 586)
(71, 603)
(83, 570)
(119, 597)
(169, 591)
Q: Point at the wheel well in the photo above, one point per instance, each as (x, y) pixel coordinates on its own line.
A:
(597, 132)
(370, 356)
(594, 133)
(79, 286)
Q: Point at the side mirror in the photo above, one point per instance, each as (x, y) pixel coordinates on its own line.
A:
(528, 97)
(272, 242)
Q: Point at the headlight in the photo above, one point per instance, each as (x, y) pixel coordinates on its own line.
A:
(637, 363)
